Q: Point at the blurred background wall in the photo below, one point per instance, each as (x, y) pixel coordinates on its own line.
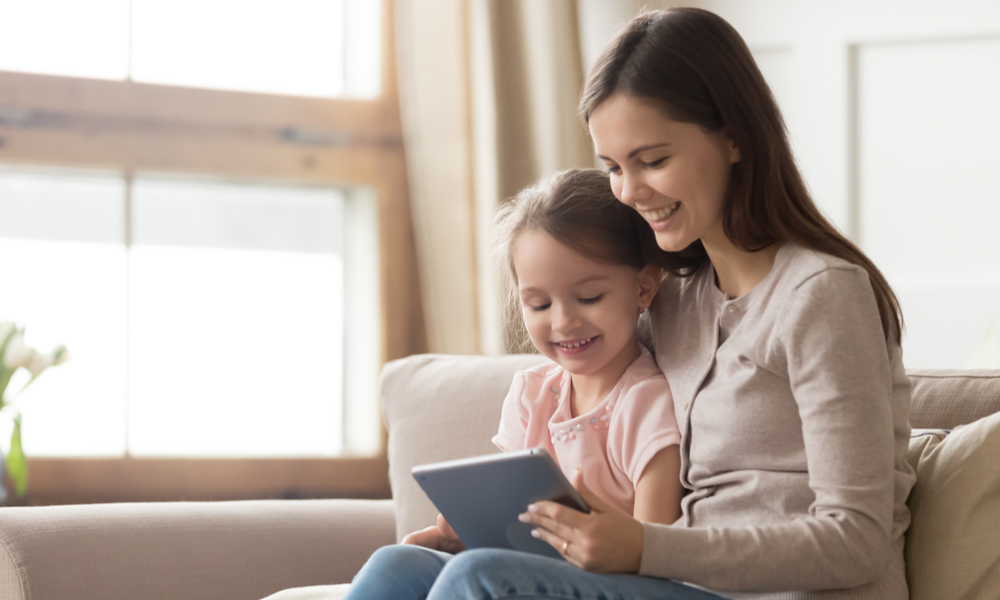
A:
(890, 107)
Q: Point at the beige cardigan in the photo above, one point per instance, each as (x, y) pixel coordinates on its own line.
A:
(794, 413)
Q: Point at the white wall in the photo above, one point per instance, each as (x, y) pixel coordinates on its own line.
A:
(891, 108)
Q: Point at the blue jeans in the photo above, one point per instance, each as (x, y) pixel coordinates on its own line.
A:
(415, 573)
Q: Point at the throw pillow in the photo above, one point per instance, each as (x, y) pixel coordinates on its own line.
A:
(951, 546)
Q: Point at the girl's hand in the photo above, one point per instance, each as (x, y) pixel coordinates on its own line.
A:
(606, 540)
(436, 537)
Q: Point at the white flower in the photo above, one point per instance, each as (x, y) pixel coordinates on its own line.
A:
(18, 354)
(58, 356)
(38, 363)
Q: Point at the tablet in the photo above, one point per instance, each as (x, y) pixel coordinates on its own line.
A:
(481, 497)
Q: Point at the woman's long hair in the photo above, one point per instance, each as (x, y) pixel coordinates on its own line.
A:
(694, 65)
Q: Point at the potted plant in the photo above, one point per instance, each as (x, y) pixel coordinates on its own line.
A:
(14, 355)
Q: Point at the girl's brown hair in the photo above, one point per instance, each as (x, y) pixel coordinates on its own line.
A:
(578, 209)
(694, 65)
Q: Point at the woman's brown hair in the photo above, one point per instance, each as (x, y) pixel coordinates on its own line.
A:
(694, 65)
(577, 208)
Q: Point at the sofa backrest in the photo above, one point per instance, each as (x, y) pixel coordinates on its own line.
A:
(439, 407)
(945, 399)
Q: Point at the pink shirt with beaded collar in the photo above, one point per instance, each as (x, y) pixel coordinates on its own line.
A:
(612, 443)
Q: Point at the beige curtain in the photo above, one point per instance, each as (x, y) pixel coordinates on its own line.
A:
(488, 94)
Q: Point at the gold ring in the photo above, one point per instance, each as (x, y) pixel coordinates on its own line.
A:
(565, 545)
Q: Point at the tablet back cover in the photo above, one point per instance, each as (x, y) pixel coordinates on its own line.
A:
(482, 497)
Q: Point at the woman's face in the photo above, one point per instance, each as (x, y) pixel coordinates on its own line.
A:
(675, 174)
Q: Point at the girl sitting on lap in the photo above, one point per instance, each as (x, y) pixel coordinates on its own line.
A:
(581, 267)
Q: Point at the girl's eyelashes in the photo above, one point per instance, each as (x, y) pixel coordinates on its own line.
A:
(613, 170)
(545, 306)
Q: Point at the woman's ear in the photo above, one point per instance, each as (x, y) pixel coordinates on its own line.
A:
(728, 146)
(649, 282)
(733, 149)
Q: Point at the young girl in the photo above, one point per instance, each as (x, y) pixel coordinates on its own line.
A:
(580, 267)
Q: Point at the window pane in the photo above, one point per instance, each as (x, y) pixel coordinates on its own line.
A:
(286, 47)
(323, 48)
(63, 241)
(65, 37)
(236, 320)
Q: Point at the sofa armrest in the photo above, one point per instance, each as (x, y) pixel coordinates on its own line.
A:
(196, 550)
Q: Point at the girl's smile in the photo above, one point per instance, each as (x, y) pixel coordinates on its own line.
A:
(575, 346)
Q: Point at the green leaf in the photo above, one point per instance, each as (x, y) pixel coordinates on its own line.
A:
(17, 465)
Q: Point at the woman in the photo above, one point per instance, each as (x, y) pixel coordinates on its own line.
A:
(779, 338)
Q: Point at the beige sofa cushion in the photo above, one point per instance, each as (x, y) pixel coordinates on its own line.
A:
(316, 592)
(186, 550)
(953, 545)
(946, 399)
(438, 407)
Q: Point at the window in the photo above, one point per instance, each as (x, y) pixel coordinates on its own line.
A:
(229, 267)
(322, 48)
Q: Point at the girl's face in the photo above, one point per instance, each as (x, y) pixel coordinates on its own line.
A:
(675, 174)
(580, 313)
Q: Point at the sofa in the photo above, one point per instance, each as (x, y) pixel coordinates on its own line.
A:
(439, 407)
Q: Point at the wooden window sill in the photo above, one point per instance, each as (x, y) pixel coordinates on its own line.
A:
(97, 480)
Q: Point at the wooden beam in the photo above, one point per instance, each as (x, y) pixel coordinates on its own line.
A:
(24, 93)
(93, 480)
(198, 153)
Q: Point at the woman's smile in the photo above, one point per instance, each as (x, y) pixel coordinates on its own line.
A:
(658, 219)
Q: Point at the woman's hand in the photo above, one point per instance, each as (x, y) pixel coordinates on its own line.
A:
(606, 540)
(436, 537)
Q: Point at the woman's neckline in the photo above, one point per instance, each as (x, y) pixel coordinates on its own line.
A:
(723, 297)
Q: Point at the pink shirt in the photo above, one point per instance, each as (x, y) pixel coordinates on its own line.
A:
(612, 443)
